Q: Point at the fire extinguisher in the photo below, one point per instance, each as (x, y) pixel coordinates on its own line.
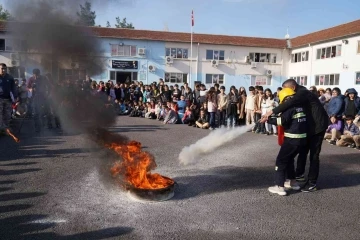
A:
(280, 130)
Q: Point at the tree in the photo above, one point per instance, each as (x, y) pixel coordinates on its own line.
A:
(86, 17)
(123, 24)
(108, 24)
(4, 14)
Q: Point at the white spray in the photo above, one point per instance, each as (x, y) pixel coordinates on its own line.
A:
(217, 138)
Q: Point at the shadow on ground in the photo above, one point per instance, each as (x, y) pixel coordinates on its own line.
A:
(222, 179)
(18, 164)
(336, 171)
(137, 128)
(29, 226)
(19, 223)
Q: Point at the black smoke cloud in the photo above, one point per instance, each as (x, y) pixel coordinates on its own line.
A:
(47, 27)
(52, 38)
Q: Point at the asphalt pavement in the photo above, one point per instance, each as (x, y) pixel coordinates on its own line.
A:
(57, 185)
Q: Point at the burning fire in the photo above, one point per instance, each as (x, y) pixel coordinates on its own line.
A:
(136, 166)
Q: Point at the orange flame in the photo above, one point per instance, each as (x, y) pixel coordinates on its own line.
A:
(12, 135)
(136, 166)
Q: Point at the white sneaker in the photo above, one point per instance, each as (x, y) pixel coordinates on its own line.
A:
(291, 185)
(210, 128)
(279, 190)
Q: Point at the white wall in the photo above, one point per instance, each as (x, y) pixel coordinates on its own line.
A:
(235, 70)
(346, 65)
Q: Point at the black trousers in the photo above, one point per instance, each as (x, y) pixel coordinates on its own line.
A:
(285, 162)
(258, 126)
(41, 108)
(189, 121)
(314, 147)
(222, 118)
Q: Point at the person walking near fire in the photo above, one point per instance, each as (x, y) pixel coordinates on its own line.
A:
(39, 86)
(8, 95)
(294, 122)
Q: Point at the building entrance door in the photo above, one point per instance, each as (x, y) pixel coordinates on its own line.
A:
(122, 77)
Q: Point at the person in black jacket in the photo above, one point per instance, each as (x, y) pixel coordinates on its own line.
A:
(176, 93)
(8, 94)
(167, 94)
(39, 86)
(318, 122)
(293, 120)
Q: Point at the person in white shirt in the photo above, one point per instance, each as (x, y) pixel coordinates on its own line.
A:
(267, 105)
(249, 106)
(222, 102)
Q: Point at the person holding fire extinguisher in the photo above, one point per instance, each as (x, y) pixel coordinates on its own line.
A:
(318, 121)
(292, 138)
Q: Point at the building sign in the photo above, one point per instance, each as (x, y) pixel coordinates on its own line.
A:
(261, 80)
(124, 64)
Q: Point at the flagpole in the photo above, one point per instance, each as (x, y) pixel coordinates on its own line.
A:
(191, 52)
(191, 47)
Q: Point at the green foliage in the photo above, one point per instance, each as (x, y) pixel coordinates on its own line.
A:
(86, 17)
(123, 24)
(4, 14)
(108, 24)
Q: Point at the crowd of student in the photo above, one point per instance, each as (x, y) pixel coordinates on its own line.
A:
(203, 108)
(344, 114)
(218, 107)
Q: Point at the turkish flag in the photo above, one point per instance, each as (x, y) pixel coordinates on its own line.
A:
(192, 18)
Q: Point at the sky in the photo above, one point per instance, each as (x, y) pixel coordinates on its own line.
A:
(258, 18)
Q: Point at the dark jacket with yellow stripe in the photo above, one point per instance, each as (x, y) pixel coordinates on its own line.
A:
(295, 125)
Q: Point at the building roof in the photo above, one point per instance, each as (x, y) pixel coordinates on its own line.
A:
(186, 37)
(343, 30)
(124, 33)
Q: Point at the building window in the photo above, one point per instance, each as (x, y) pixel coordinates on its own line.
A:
(123, 50)
(300, 57)
(215, 55)
(72, 74)
(175, 77)
(262, 57)
(327, 79)
(133, 76)
(328, 52)
(301, 80)
(214, 78)
(177, 52)
(357, 78)
(17, 72)
(113, 75)
(2, 44)
(11, 44)
(358, 47)
(260, 80)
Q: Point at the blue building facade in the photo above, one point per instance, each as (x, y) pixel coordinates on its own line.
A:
(146, 61)
(128, 59)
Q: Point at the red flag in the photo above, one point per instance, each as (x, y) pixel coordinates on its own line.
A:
(192, 18)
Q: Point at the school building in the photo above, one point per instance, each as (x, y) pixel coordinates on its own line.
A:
(327, 58)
